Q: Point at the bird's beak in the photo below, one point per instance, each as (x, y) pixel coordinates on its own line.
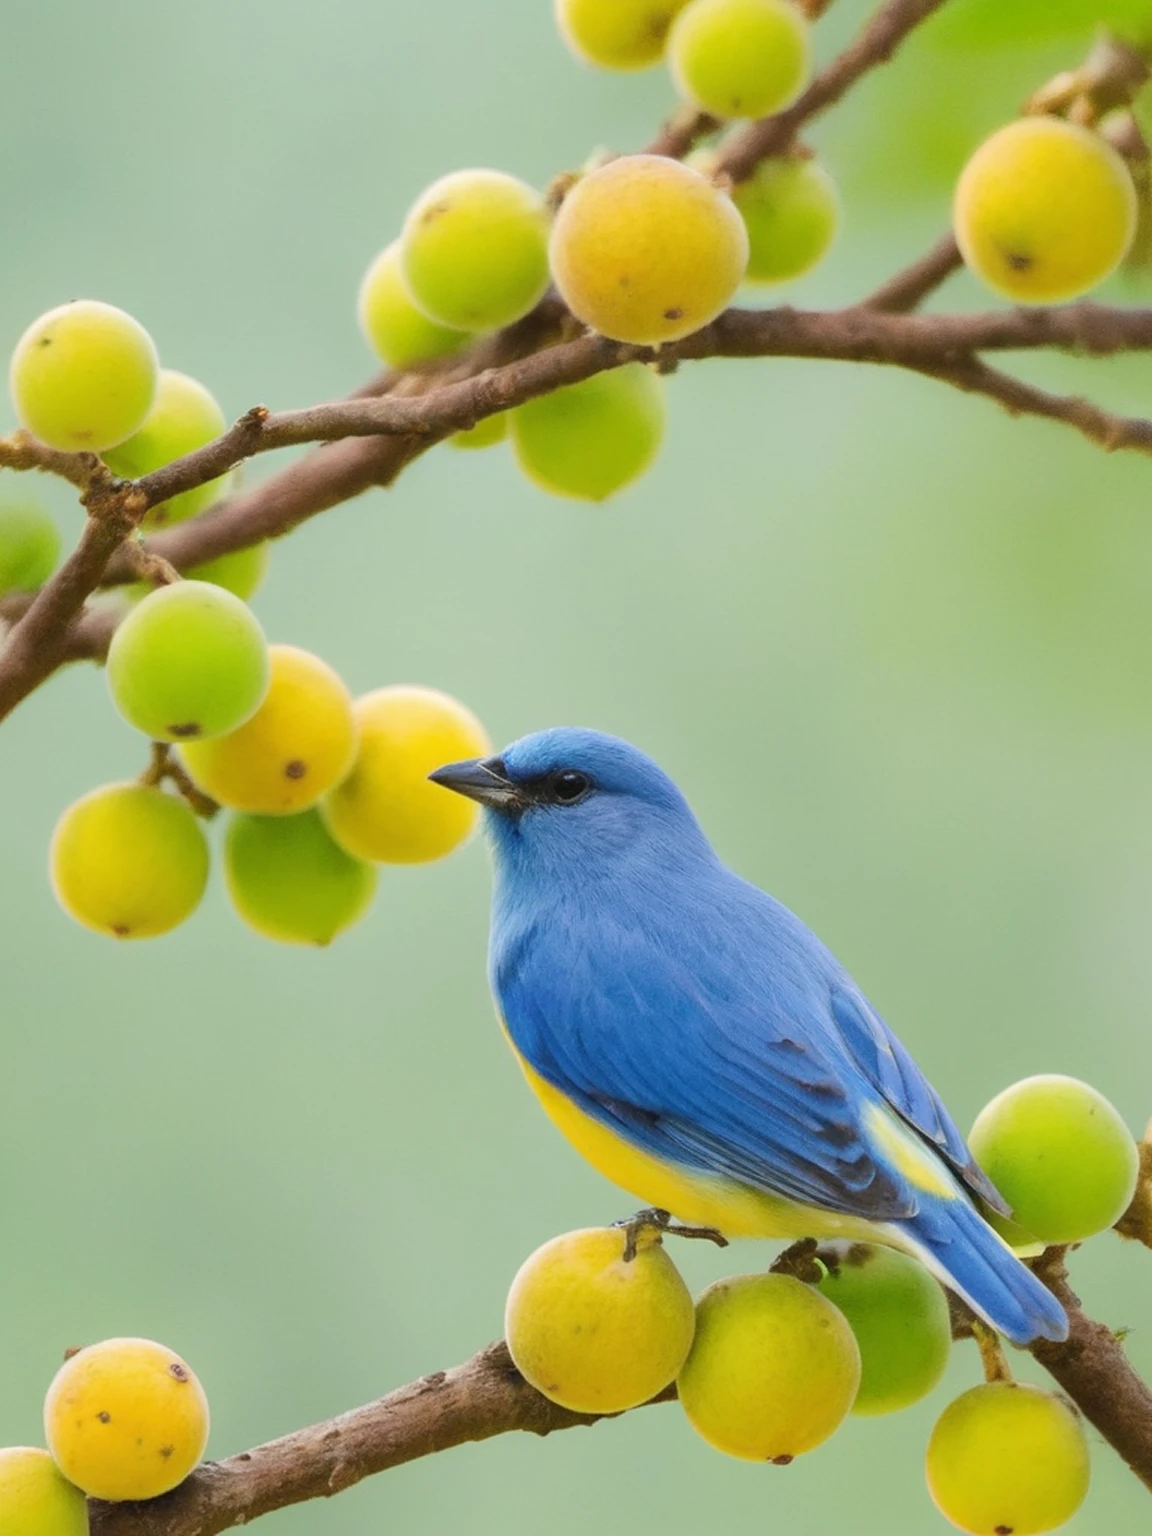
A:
(482, 779)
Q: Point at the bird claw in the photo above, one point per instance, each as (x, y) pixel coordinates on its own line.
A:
(661, 1221)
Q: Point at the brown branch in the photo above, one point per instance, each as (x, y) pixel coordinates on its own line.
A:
(1136, 1222)
(908, 289)
(1092, 1368)
(485, 1396)
(875, 45)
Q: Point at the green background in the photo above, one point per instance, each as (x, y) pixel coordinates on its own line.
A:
(896, 647)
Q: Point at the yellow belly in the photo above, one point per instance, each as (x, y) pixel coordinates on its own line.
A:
(735, 1209)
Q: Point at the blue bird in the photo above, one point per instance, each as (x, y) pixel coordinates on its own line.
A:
(699, 1045)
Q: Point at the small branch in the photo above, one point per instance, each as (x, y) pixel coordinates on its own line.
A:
(681, 133)
(1091, 1367)
(875, 45)
(908, 289)
(1136, 1222)
(485, 1396)
(163, 766)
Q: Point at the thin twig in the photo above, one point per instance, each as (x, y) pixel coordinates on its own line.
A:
(908, 289)
(875, 45)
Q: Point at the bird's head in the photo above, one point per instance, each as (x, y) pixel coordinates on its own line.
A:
(568, 795)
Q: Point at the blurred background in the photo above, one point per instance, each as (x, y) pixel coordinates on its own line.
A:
(896, 647)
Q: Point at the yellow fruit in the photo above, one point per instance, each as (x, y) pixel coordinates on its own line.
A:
(646, 250)
(617, 34)
(386, 810)
(773, 1369)
(129, 860)
(596, 1333)
(399, 333)
(474, 250)
(740, 58)
(1044, 211)
(126, 1419)
(35, 1500)
(1008, 1457)
(83, 376)
(295, 748)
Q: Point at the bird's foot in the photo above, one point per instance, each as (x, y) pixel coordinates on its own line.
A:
(653, 1218)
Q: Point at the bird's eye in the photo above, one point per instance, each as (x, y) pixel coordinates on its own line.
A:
(569, 786)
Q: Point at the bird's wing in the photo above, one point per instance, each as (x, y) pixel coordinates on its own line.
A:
(704, 1055)
(890, 1069)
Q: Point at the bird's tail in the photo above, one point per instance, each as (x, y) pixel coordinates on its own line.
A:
(952, 1239)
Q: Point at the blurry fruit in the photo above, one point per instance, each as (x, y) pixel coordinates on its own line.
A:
(129, 860)
(126, 1419)
(591, 439)
(1059, 1154)
(596, 1333)
(1044, 210)
(740, 58)
(188, 661)
(1005, 1457)
(617, 34)
(289, 880)
(35, 1500)
(298, 744)
(791, 211)
(386, 810)
(240, 572)
(184, 416)
(83, 376)
(646, 250)
(900, 1317)
(485, 434)
(29, 545)
(399, 333)
(474, 250)
(773, 1369)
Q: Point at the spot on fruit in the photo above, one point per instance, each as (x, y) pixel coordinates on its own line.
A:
(104, 1416)
(121, 930)
(295, 769)
(166, 1451)
(185, 729)
(1018, 261)
(782, 1461)
(673, 314)
(181, 1374)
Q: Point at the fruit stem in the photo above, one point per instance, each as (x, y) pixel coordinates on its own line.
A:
(164, 766)
(992, 1356)
(655, 1220)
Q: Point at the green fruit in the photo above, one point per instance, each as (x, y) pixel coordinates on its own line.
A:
(1059, 1154)
(35, 1500)
(1044, 210)
(1005, 1457)
(485, 434)
(900, 1317)
(791, 211)
(474, 250)
(240, 572)
(591, 439)
(773, 1370)
(595, 1332)
(83, 377)
(129, 860)
(290, 881)
(646, 250)
(188, 661)
(399, 333)
(617, 34)
(184, 417)
(29, 546)
(740, 58)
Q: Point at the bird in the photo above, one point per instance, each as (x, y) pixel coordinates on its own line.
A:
(700, 1046)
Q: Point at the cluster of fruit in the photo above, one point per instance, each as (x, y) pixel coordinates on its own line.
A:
(125, 1419)
(321, 787)
(767, 1367)
(85, 377)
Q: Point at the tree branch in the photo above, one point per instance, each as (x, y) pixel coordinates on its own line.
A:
(485, 1396)
(875, 45)
(1092, 1368)
(908, 289)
